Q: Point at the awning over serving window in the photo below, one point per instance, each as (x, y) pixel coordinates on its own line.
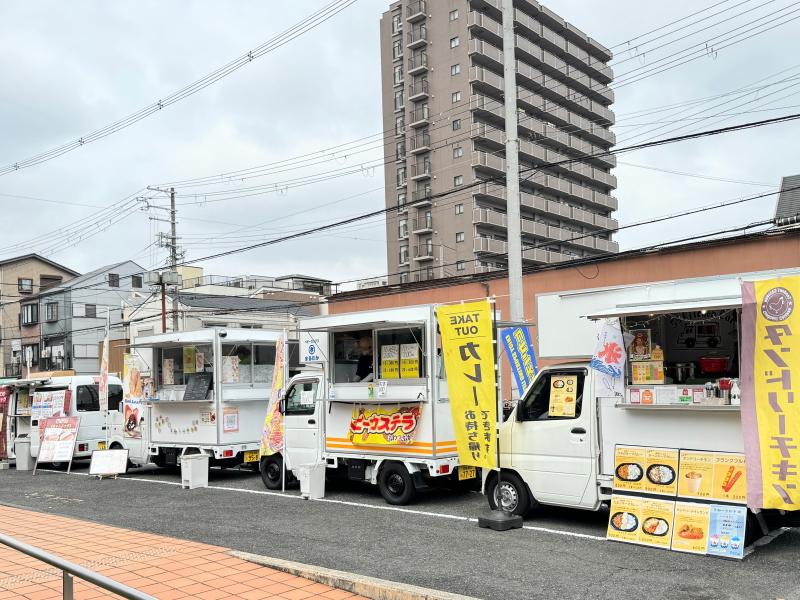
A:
(360, 326)
(662, 308)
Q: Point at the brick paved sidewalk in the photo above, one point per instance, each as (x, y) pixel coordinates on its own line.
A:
(167, 568)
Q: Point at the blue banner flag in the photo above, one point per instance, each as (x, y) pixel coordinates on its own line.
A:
(521, 358)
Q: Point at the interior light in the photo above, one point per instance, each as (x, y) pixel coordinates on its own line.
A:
(704, 311)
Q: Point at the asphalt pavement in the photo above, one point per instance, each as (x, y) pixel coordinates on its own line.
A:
(435, 543)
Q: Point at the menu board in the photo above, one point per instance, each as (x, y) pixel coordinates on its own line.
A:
(168, 371)
(690, 531)
(57, 439)
(658, 517)
(390, 361)
(726, 531)
(713, 476)
(51, 404)
(624, 519)
(230, 369)
(109, 462)
(197, 386)
(409, 360)
(647, 372)
(730, 478)
(562, 396)
(661, 471)
(629, 468)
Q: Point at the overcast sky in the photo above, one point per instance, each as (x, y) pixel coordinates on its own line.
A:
(71, 68)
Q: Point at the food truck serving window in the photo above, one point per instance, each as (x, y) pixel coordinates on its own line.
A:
(555, 395)
(400, 353)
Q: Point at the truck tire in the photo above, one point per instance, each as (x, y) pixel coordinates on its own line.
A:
(690, 343)
(272, 472)
(712, 342)
(513, 492)
(396, 485)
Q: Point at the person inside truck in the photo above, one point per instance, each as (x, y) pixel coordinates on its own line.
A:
(364, 369)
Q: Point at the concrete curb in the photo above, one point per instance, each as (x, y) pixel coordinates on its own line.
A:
(369, 587)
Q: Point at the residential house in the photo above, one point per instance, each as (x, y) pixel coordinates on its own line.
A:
(73, 317)
(21, 278)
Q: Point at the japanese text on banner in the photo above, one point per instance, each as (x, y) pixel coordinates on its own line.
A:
(521, 358)
(272, 437)
(770, 366)
(467, 345)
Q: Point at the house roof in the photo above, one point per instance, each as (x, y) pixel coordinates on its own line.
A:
(82, 279)
(25, 257)
(242, 303)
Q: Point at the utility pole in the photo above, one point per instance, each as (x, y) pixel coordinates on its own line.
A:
(173, 255)
(512, 167)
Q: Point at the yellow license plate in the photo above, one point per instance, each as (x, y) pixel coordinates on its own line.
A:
(251, 456)
(101, 445)
(465, 472)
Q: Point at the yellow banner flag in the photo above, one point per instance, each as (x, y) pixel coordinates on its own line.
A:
(770, 413)
(467, 345)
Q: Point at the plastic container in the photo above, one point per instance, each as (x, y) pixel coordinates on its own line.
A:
(22, 448)
(312, 480)
(194, 471)
(713, 365)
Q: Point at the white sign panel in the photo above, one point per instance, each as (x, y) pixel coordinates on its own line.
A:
(313, 347)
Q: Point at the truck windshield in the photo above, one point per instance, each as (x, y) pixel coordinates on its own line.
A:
(536, 405)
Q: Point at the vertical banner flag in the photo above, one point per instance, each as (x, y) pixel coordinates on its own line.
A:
(467, 345)
(770, 414)
(132, 396)
(272, 438)
(103, 385)
(519, 350)
(609, 360)
(5, 403)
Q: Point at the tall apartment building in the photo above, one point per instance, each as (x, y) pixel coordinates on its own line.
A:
(442, 66)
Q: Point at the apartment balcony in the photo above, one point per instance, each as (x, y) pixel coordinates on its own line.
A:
(416, 11)
(485, 81)
(481, 269)
(418, 91)
(532, 256)
(403, 259)
(426, 275)
(606, 222)
(485, 27)
(489, 219)
(421, 170)
(489, 163)
(422, 225)
(418, 64)
(419, 117)
(606, 245)
(13, 370)
(423, 252)
(484, 53)
(422, 197)
(417, 38)
(419, 143)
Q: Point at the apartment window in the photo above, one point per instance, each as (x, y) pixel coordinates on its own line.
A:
(458, 180)
(456, 124)
(461, 265)
(85, 351)
(51, 311)
(453, 15)
(48, 281)
(401, 176)
(30, 314)
(32, 351)
(401, 201)
(459, 209)
(397, 49)
(455, 69)
(403, 255)
(400, 125)
(456, 97)
(458, 152)
(403, 277)
(398, 74)
(454, 42)
(90, 311)
(397, 24)
(401, 150)
(402, 229)
(459, 237)
(25, 285)
(399, 99)
(113, 280)
(136, 281)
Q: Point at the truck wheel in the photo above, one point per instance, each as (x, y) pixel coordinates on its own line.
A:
(712, 342)
(395, 484)
(690, 343)
(512, 495)
(272, 471)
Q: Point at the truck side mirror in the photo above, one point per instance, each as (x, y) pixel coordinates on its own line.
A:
(282, 406)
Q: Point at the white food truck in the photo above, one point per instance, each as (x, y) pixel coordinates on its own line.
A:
(572, 460)
(61, 393)
(376, 409)
(210, 391)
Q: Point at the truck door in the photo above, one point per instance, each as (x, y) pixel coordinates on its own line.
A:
(93, 422)
(554, 454)
(301, 422)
